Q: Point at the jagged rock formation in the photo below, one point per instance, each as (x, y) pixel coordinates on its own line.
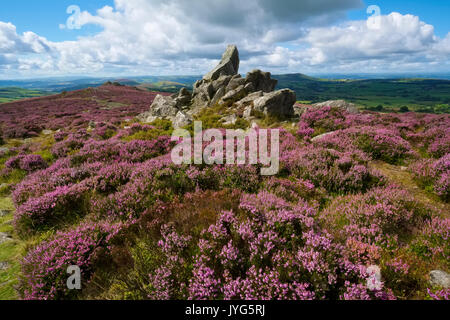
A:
(248, 96)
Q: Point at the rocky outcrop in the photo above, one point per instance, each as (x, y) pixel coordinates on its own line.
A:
(341, 104)
(225, 86)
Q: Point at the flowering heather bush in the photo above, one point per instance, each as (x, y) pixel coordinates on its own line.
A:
(435, 175)
(29, 163)
(116, 150)
(53, 208)
(378, 143)
(333, 170)
(44, 269)
(432, 243)
(32, 162)
(317, 121)
(389, 228)
(69, 143)
(382, 217)
(293, 190)
(268, 249)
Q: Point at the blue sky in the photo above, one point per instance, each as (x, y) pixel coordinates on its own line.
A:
(434, 12)
(186, 37)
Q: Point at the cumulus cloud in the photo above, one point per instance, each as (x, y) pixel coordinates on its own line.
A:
(187, 37)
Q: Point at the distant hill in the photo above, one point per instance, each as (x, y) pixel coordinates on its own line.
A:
(424, 95)
(12, 94)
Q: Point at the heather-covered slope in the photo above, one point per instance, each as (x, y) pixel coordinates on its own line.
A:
(106, 196)
(27, 118)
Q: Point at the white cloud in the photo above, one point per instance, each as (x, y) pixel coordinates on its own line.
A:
(187, 37)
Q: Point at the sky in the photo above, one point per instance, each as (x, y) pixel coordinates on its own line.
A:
(178, 37)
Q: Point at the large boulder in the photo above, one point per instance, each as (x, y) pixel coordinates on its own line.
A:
(279, 103)
(228, 66)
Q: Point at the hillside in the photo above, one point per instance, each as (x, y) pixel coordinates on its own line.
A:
(12, 94)
(417, 94)
(27, 118)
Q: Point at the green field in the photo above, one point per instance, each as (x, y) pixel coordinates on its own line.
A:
(12, 94)
(421, 95)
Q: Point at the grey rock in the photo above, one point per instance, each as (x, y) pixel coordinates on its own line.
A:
(223, 81)
(229, 120)
(250, 87)
(47, 132)
(4, 237)
(219, 95)
(229, 65)
(299, 110)
(163, 106)
(183, 98)
(278, 103)
(248, 112)
(4, 265)
(200, 100)
(4, 186)
(236, 82)
(181, 120)
(440, 278)
(233, 94)
(250, 98)
(341, 104)
(4, 212)
(261, 81)
(4, 150)
(92, 125)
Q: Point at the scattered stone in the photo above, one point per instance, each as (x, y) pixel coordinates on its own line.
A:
(4, 212)
(374, 281)
(4, 237)
(440, 278)
(341, 104)
(4, 265)
(92, 125)
(47, 132)
(4, 150)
